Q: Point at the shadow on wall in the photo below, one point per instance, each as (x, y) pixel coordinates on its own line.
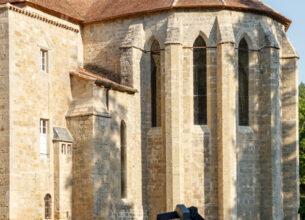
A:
(102, 153)
(107, 73)
(107, 165)
(270, 152)
(96, 156)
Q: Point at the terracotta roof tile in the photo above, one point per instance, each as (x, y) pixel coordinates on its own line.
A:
(98, 10)
(101, 80)
(189, 3)
(116, 8)
(81, 6)
(109, 9)
(92, 75)
(57, 7)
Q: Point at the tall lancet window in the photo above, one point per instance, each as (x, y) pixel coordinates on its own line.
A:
(123, 160)
(243, 83)
(155, 85)
(200, 81)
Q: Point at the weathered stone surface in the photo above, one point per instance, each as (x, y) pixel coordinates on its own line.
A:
(227, 171)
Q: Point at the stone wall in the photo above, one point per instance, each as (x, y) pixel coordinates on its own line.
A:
(4, 115)
(63, 180)
(177, 162)
(156, 188)
(199, 180)
(36, 95)
(262, 149)
(82, 164)
(102, 42)
(246, 174)
(289, 128)
(107, 157)
(97, 152)
(200, 186)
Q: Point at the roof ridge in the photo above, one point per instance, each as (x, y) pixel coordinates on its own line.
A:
(72, 9)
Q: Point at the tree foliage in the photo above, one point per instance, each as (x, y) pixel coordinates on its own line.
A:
(302, 132)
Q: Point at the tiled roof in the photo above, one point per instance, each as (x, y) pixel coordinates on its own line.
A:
(60, 8)
(62, 134)
(108, 9)
(98, 10)
(101, 80)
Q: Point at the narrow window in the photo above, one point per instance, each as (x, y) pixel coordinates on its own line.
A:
(123, 160)
(155, 85)
(107, 99)
(48, 206)
(243, 83)
(63, 148)
(43, 137)
(69, 149)
(44, 60)
(200, 82)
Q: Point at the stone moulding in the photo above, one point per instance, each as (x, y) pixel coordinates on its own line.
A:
(39, 17)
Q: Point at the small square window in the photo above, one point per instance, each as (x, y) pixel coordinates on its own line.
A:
(44, 60)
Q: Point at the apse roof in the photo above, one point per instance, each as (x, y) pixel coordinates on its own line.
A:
(88, 11)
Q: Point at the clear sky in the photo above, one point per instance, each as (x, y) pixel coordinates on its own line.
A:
(295, 10)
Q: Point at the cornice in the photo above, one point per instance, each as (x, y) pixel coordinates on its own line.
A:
(39, 17)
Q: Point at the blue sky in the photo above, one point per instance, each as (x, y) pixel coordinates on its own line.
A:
(295, 10)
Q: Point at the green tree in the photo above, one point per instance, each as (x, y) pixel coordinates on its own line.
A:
(302, 133)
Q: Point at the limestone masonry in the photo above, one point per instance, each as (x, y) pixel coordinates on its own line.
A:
(116, 110)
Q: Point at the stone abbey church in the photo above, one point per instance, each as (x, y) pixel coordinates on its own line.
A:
(122, 109)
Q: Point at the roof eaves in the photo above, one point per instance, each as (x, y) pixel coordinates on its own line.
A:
(74, 19)
(101, 81)
(116, 86)
(273, 14)
(139, 13)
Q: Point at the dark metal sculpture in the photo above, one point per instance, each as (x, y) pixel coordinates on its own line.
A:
(181, 212)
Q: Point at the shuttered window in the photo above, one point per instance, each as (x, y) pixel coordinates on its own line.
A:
(43, 137)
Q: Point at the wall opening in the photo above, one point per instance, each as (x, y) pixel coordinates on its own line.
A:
(155, 84)
(200, 81)
(44, 137)
(123, 160)
(243, 83)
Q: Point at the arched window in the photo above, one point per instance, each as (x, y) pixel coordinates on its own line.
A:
(200, 81)
(123, 160)
(48, 206)
(243, 83)
(155, 85)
